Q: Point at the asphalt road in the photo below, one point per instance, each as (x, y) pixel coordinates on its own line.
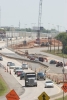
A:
(36, 91)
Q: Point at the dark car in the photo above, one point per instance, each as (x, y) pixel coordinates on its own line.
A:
(59, 64)
(22, 75)
(41, 75)
(1, 59)
(43, 44)
(19, 72)
(0, 48)
(53, 62)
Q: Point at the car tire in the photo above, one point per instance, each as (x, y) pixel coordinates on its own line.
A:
(36, 85)
(20, 78)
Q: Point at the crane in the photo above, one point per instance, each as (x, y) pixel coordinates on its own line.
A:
(39, 22)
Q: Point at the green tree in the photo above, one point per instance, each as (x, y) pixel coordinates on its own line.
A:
(63, 38)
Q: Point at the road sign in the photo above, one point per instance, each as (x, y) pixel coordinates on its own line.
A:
(64, 87)
(43, 96)
(12, 95)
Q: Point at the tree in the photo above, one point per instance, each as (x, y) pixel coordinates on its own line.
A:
(63, 38)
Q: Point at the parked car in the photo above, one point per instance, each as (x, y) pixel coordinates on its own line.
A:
(49, 83)
(24, 66)
(53, 62)
(22, 75)
(1, 59)
(59, 64)
(41, 75)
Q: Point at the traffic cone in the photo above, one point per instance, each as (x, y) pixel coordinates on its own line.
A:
(10, 72)
(46, 60)
(31, 68)
(45, 71)
(35, 70)
(7, 69)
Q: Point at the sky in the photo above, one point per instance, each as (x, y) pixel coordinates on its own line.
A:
(54, 12)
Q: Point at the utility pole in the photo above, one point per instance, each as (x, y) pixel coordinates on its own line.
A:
(58, 39)
(39, 21)
(0, 17)
(19, 29)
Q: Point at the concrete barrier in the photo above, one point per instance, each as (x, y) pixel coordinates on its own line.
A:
(41, 63)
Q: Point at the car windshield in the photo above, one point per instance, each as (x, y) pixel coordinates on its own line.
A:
(49, 82)
(31, 75)
(12, 64)
(24, 64)
(40, 73)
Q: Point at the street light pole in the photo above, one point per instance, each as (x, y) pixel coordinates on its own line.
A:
(63, 71)
(25, 32)
(0, 17)
(58, 39)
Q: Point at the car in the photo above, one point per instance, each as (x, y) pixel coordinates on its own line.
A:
(17, 70)
(49, 83)
(41, 75)
(0, 48)
(24, 66)
(53, 62)
(22, 75)
(43, 44)
(1, 59)
(59, 64)
(17, 67)
(9, 63)
(36, 59)
(18, 73)
(12, 66)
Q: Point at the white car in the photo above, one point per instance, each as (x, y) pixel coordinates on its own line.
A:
(24, 66)
(49, 83)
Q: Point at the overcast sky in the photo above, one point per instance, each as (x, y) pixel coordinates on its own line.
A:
(54, 12)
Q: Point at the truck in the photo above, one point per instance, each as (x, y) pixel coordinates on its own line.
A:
(30, 79)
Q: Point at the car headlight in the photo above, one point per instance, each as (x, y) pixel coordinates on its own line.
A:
(35, 80)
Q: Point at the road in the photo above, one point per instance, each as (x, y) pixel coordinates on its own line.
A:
(36, 91)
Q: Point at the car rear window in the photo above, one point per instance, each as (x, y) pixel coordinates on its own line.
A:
(49, 82)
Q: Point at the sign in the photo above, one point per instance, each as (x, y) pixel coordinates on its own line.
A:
(12, 95)
(64, 87)
(43, 96)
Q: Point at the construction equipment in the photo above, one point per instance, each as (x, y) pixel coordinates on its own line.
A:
(39, 22)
